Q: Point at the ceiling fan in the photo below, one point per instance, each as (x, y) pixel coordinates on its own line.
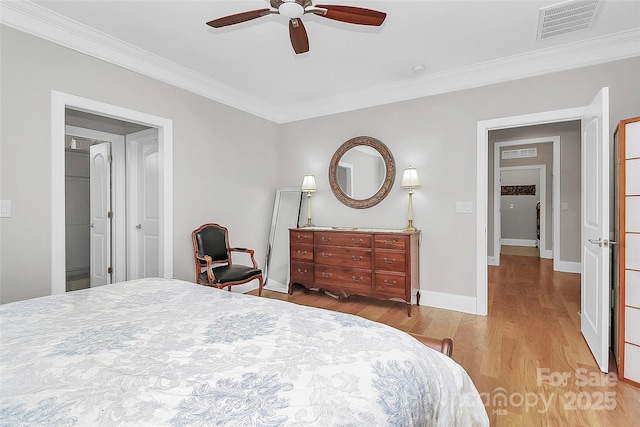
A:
(294, 9)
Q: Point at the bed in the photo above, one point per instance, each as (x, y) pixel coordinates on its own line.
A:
(165, 352)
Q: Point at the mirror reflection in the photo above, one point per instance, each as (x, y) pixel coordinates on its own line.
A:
(361, 172)
(286, 212)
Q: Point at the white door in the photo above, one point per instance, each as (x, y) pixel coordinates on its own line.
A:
(100, 212)
(595, 228)
(144, 187)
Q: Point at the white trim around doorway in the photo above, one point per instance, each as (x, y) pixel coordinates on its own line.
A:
(59, 103)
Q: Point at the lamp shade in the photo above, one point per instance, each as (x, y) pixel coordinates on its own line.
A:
(410, 178)
(309, 183)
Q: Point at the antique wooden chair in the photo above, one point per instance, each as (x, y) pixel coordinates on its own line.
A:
(214, 265)
(444, 345)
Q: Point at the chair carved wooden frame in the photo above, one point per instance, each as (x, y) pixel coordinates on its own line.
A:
(210, 248)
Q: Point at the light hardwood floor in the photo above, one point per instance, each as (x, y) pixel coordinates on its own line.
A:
(527, 358)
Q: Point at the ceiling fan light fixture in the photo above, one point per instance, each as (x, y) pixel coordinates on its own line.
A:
(291, 9)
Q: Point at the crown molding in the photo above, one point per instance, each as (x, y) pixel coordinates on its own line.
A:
(41, 22)
(569, 56)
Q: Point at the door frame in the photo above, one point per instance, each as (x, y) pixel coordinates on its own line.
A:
(555, 198)
(482, 188)
(60, 101)
(497, 219)
(117, 201)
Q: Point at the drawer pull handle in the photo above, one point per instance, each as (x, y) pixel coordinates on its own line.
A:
(357, 279)
(303, 271)
(356, 258)
(386, 282)
(302, 237)
(357, 242)
(390, 242)
(302, 252)
(326, 255)
(326, 239)
(326, 274)
(389, 261)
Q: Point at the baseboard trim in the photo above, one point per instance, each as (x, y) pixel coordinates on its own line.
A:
(519, 242)
(567, 267)
(455, 302)
(546, 253)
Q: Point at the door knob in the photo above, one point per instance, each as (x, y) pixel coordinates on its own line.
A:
(603, 243)
(139, 226)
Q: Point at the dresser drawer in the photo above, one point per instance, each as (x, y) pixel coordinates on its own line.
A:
(391, 284)
(301, 272)
(352, 278)
(390, 241)
(301, 251)
(335, 255)
(390, 261)
(353, 240)
(301, 237)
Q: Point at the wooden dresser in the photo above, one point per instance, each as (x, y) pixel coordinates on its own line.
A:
(382, 264)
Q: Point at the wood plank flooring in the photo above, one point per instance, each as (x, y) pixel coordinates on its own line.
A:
(527, 358)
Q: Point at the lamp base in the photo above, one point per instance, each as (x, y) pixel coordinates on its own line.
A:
(410, 228)
(309, 224)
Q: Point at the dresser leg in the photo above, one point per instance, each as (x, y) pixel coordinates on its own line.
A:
(409, 309)
(418, 298)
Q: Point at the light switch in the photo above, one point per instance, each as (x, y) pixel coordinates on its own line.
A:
(5, 208)
(464, 207)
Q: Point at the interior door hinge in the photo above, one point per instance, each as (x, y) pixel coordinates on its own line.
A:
(110, 214)
(110, 270)
(110, 158)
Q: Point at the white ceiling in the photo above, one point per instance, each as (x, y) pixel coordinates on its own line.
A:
(252, 66)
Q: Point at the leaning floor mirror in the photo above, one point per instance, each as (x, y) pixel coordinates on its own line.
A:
(286, 214)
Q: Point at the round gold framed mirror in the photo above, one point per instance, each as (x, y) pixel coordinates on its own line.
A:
(362, 172)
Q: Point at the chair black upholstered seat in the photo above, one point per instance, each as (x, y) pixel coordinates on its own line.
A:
(232, 273)
(211, 246)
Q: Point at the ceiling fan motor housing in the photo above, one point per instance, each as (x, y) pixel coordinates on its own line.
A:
(291, 9)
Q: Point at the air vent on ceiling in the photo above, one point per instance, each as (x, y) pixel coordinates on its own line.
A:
(567, 17)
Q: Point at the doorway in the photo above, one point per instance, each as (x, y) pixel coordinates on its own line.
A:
(522, 209)
(516, 148)
(96, 184)
(594, 214)
(62, 102)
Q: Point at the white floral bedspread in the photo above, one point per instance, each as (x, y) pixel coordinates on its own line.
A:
(161, 352)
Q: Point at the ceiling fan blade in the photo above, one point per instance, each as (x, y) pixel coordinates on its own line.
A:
(352, 15)
(298, 35)
(239, 17)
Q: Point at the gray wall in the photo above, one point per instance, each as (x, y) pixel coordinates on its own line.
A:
(437, 135)
(224, 159)
(227, 164)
